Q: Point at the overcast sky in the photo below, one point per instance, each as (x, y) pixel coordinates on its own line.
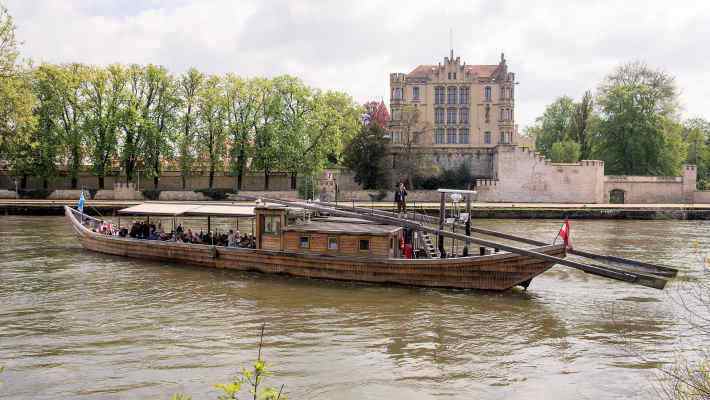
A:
(555, 47)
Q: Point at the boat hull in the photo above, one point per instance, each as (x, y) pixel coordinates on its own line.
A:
(492, 272)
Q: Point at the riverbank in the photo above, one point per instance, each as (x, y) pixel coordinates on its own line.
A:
(481, 210)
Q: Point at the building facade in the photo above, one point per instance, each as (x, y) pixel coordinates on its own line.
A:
(453, 110)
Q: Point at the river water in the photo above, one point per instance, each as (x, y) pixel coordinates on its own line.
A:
(75, 324)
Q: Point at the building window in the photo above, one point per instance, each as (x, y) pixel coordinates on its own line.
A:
(451, 116)
(452, 94)
(488, 113)
(364, 245)
(439, 116)
(272, 224)
(487, 93)
(512, 93)
(487, 138)
(415, 93)
(332, 243)
(439, 136)
(451, 136)
(502, 138)
(449, 76)
(397, 93)
(502, 114)
(396, 114)
(396, 137)
(454, 75)
(463, 136)
(304, 242)
(463, 116)
(439, 95)
(463, 95)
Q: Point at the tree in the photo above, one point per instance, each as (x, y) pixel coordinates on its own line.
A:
(161, 121)
(189, 87)
(636, 136)
(658, 86)
(296, 106)
(64, 86)
(580, 128)
(410, 129)
(365, 156)
(554, 125)
(103, 90)
(211, 134)
(266, 150)
(17, 102)
(242, 111)
(567, 151)
(696, 132)
(376, 111)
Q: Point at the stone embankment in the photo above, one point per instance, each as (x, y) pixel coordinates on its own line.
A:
(480, 210)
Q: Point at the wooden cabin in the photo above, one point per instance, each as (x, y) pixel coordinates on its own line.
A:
(296, 230)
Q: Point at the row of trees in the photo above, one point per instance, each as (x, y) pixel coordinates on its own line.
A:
(632, 123)
(143, 117)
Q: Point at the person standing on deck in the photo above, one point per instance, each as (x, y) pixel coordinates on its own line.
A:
(400, 197)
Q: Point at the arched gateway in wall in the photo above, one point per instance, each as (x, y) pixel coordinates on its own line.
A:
(616, 196)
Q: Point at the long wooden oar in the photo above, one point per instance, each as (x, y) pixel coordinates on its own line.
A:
(626, 276)
(654, 269)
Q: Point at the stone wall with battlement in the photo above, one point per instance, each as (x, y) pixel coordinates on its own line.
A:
(522, 175)
(653, 189)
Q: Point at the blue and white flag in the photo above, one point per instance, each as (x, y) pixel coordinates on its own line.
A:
(80, 205)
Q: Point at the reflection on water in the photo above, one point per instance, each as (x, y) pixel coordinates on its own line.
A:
(75, 324)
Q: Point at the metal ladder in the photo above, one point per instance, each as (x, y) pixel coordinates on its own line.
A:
(431, 250)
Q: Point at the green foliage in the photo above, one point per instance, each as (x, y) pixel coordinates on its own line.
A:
(634, 137)
(250, 380)
(696, 132)
(180, 396)
(456, 178)
(566, 151)
(215, 194)
(554, 125)
(365, 156)
(151, 194)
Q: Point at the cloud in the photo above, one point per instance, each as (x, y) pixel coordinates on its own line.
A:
(556, 48)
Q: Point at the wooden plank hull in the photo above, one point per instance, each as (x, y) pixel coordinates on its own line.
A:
(492, 272)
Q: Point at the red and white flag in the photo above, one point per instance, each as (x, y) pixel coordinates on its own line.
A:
(565, 234)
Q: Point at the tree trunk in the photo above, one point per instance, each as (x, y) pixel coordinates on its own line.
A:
(101, 182)
(211, 176)
(266, 179)
(156, 181)
(74, 183)
(240, 178)
(45, 183)
(23, 182)
(294, 176)
(184, 181)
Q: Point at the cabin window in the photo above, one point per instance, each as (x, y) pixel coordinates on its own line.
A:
(272, 224)
(304, 242)
(364, 245)
(332, 243)
(392, 243)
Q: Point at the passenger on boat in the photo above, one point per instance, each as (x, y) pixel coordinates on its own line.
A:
(400, 197)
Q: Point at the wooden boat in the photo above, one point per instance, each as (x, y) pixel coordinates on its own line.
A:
(328, 249)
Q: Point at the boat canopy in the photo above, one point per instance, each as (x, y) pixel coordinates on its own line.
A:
(184, 210)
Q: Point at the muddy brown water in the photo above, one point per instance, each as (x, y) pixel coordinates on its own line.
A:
(75, 324)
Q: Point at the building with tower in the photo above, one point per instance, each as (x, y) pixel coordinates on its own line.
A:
(452, 112)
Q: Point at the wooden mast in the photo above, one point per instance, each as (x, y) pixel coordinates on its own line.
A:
(608, 272)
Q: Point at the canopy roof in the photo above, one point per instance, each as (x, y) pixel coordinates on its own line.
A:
(174, 210)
